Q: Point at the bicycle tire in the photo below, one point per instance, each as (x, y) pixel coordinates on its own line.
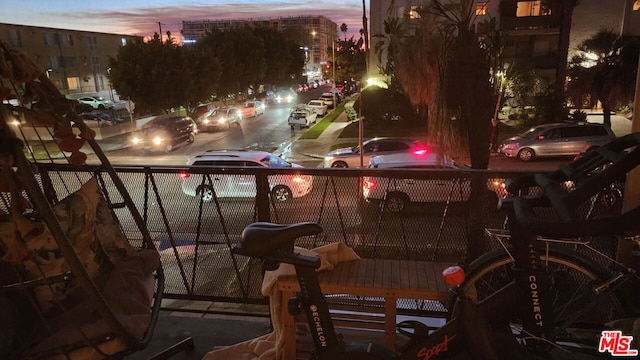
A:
(572, 279)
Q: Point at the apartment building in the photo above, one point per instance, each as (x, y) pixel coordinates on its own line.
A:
(533, 30)
(316, 34)
(77, 62)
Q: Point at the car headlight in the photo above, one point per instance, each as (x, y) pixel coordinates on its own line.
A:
(136, 140)
(510, 146)
(222, 120)
(157, 140)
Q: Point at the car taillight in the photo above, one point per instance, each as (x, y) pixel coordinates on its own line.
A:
(369, 184)
(184, 175)
(420, 151)
(301, 178)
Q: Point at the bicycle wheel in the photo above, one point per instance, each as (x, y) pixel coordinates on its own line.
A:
(573, 280)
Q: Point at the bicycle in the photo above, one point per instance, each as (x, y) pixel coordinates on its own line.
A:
(580, 294)
(472, 328)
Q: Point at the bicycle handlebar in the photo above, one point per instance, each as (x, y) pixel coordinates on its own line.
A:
(589, 174)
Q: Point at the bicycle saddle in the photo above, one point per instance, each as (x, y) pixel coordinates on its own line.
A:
(262, 239)
(589, 174)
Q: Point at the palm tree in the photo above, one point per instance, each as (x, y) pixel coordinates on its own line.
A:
(395, 33)
(344, 29)
(444, 67)
(610, 78)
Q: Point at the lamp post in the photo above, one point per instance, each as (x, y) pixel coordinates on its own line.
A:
(110, 83)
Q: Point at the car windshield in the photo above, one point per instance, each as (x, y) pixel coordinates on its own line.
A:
(274, 161)
(531, 133)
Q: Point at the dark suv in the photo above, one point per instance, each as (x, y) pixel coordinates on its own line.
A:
(164, 133)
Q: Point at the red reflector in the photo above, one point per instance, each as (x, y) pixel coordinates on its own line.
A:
(453, 275)
(184, 175)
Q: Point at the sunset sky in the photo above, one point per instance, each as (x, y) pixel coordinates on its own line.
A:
(141, 17)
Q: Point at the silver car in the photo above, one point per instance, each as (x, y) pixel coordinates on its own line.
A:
(557, 139)
(350, 156)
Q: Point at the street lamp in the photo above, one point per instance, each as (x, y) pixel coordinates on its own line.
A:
(110, 83)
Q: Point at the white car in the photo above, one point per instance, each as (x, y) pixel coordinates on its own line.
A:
(283, 187)
(330, 99)
(319, 106)
(303, 116)
(350, 156)
(252, 108)
(97, 102)
(397, 194)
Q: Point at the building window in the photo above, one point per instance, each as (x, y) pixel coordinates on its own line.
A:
(532, 8)
(50, 39)
(73, 83)
(92, 42)
(123, 41)
(409, 12)
(68, 40)
(95, 64)
(481, 8)
(636, 5)
(14, 38)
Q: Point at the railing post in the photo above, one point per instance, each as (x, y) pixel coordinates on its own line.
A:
(262, 197)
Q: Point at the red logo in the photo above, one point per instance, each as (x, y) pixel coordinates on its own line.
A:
(616, 343)
(426, 354)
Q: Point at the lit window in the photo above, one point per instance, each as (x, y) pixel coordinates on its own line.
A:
(532, 8)
(413, 13)
(73, 83)
(481, 8)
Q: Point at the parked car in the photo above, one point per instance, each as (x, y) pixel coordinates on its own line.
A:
(164, 133)
(101, 118)
(557, 139)
(350, 156)
(282, 187)
(97, 102)
(398, 194)
(302, 115)
(319, 106)
(252, 108)
(330, 99)
(220, 119)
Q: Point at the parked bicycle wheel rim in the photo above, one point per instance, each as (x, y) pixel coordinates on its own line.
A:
(573, 279)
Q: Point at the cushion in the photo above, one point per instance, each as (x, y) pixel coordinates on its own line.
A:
(94, 234)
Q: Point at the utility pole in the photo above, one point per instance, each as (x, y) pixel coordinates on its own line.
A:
(160, 27)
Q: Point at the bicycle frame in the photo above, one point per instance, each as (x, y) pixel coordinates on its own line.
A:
(537, 317)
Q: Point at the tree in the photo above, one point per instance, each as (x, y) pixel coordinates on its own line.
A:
(445, 67)
(279, 57)
(395, 34)
(344, 29)
(159, 75)
(610, 77)
(242, 55)
(350, 59)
